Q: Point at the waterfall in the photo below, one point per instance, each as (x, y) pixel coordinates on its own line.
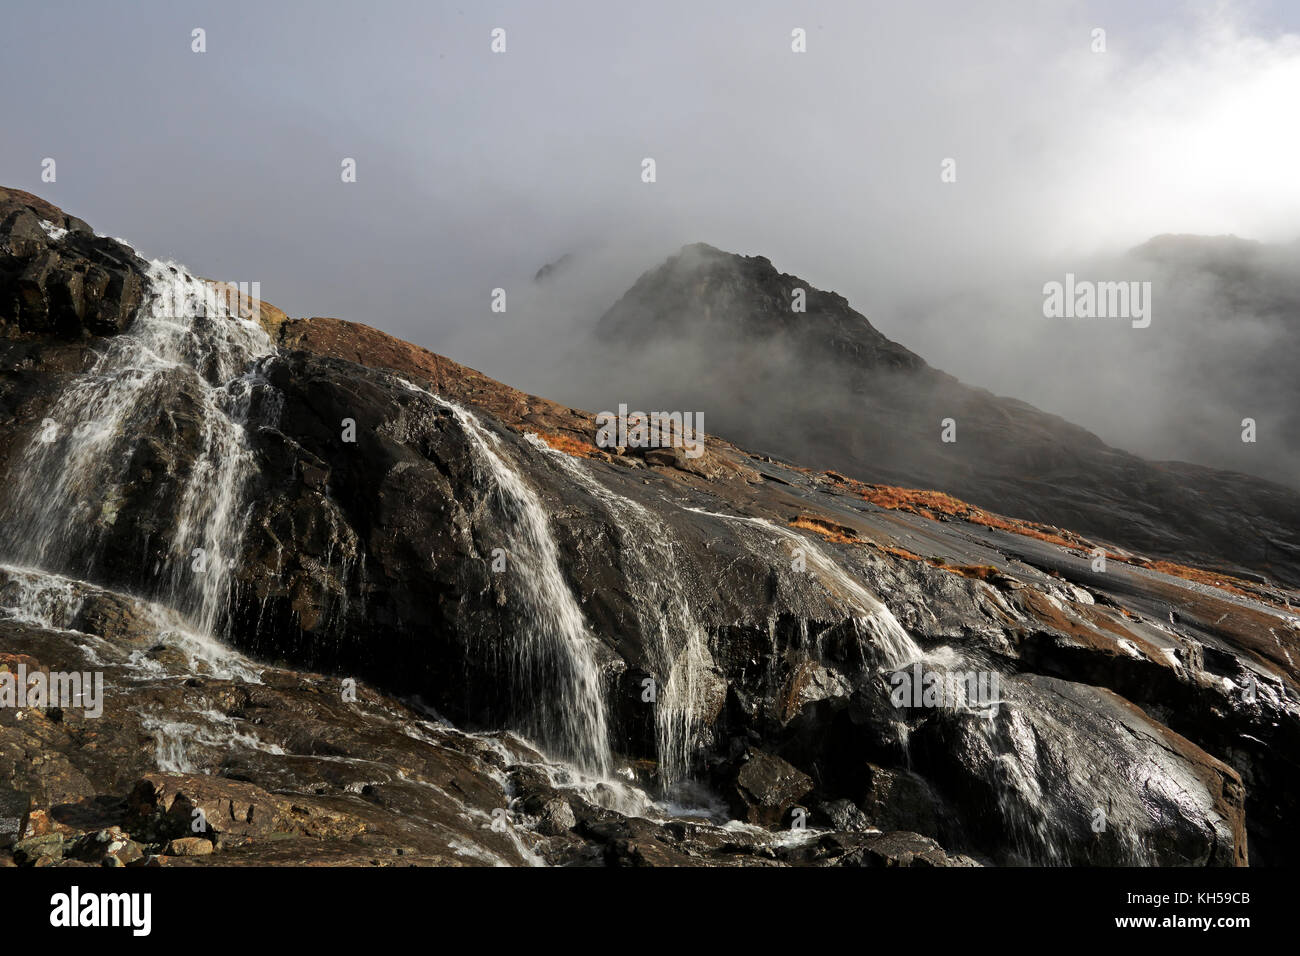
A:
(185, 352)
(553, 666)
(872, 618)
(676, 641)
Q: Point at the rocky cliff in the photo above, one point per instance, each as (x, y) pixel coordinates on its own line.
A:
(354, 603)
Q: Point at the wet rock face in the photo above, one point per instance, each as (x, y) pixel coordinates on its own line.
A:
(266, 766)
(58, 278)
(57, 296)
(405, 546)
(359, 552)
(1083, 740)
(374, 558)
(765, 788)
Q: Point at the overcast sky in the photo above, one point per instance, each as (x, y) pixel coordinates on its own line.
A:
(475, 168)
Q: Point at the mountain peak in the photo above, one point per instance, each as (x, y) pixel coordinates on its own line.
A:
(704, 290)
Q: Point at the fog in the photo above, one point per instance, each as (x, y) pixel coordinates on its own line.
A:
(474, 169)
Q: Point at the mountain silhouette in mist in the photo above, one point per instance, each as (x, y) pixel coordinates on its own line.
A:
(719, 332)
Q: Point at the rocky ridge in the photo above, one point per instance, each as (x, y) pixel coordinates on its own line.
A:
(362, 700)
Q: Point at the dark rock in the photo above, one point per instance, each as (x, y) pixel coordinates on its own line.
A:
(764, 787)
(842, 814)
(556, 817)
(898, 799)
(73, 286)
(902, 849)
(108, 847)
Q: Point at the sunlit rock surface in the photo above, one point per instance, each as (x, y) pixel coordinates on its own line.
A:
(442, 627)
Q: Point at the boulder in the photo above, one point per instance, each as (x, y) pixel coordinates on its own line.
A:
(35, 849)
(763, 787)
(189, 846)
(62, 280)
(174, 806)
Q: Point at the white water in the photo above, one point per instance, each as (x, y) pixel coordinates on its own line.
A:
(69, 483)
(191, 372)
(44, 600)
(53, 601)
(1014, 768)
(676, 641)
(552, 661)
(872, 618)
(54, 232)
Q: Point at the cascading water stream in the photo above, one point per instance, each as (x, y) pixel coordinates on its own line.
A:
(1014, 767)
(186, 354)
(162, 411)
(676, 640)
(554, 670)
(872, 617)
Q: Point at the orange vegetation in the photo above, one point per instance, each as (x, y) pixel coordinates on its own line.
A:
(1215, 579)
(566, 444)
(898, 552)
(929, 503)
(832, 532)
(981, 572)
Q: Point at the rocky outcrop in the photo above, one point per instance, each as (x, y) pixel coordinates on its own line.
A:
(764, 788)
(268, 766)
(797, 676)
(453, 632)
(58, 278)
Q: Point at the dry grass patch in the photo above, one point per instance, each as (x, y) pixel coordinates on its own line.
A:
(827, 529)
(980, 572)
(1214, 579)
(567, 444)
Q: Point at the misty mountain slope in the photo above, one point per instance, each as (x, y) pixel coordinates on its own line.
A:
(363, 605)
(716, 332)
(1231, 310)
(1220, 347)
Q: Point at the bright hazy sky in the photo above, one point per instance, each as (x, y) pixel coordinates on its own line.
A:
(476, 168)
